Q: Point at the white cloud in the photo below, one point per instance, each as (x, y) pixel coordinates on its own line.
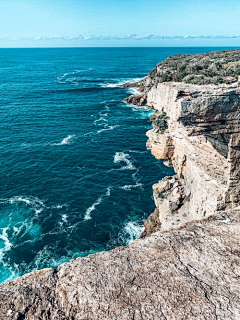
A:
(118, 38)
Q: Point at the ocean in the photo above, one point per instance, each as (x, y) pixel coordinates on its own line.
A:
(76, 177)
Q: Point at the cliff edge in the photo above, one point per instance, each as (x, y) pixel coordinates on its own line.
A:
(186, 264)
(195, 130)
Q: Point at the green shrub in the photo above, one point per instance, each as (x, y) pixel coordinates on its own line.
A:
(206, 68)
(160, 122)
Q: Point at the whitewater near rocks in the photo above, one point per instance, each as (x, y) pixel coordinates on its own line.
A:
(67, 138)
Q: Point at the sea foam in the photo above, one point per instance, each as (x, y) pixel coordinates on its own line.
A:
(67, 140)
(7, 243)
(124, 157)
(88, 212)
(131, 186)
(121, 82)
(107, 128)
(132, 231)
(36, 204)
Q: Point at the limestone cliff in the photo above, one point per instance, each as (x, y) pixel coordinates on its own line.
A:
(186, 265)
(196, 129)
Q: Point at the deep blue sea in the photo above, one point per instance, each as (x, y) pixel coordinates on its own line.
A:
(76, 177)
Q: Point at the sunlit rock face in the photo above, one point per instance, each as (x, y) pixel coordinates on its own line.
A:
(201, 141)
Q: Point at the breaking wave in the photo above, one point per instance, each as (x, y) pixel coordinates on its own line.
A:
(72, 77)
(124, 157)
(33, 202)
(88, 212)
(67, 140)
(108, 128)
(132, 231)
(7, 243)
(121, 82)
(131, 186)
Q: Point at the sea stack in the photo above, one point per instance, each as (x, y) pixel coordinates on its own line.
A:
(186, 263)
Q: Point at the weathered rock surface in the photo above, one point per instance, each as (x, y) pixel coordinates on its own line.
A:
(202, 143)
(138, 100)
(189, 273)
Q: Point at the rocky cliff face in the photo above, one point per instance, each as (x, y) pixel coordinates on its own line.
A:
(196, 129)
(186, 265)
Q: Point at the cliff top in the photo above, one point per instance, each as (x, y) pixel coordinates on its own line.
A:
(206, 68)
(189, 273)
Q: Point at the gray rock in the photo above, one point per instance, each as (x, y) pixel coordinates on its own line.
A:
(191, 273)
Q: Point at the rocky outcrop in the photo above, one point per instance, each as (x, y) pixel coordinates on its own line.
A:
(138, 100)
(199, 135)
(190, 273)
(186, 263)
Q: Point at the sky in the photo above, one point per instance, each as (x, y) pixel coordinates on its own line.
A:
(119, 23)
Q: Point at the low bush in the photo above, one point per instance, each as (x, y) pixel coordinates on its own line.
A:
(206, 68)
(160, 122)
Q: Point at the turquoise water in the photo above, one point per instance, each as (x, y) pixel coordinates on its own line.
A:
(75, 174)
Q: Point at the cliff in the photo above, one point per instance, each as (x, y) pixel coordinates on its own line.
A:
(186, 265)
(195, 130)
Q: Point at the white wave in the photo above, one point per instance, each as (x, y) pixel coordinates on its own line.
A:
(59, 206)
(88, 134)
(7, 243)
(28, 200)
(33, 202)
(131, 186)
(20, 199)
(124, 157)
(142, 112)
(106, 101)
(25, 145)
(113, 85)
(67, 140)
(140, 108)
(36, 204)
(133, 231)
(136, 179)
(64, 218)
(137, 151)
(121, 82)
(69, 77)
(107, 128)
(96, 203)
(133, 91)
(46, 256)
(92, 208)
(101, 121)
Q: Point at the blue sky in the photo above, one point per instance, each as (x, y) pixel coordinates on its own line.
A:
(54, 23)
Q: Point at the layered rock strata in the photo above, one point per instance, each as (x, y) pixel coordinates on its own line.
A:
(196, 129)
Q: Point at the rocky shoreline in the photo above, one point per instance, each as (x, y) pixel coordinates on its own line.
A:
(186, 264)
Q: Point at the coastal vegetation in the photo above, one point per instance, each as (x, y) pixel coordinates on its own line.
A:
(160, 122)
(206, 68)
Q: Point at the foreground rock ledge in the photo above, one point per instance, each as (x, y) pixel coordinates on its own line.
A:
(188, 273)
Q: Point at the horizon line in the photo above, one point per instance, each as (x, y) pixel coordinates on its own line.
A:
(119, 47)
